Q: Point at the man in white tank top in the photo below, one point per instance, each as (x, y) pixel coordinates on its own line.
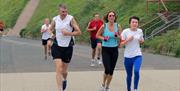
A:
(65, 28)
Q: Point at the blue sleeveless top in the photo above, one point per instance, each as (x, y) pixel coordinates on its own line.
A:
(113, 41)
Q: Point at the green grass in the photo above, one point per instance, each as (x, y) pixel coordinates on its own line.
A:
(83, 10)
(168, 43)
(10, 10)
(48, 8)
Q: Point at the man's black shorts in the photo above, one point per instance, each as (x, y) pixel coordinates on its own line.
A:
(64, 53)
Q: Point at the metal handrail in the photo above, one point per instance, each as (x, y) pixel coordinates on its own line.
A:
(173, 21)
(154, 19)
(151, 20)
(173, 14)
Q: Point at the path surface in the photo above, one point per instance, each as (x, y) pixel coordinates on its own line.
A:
(22, 68)
(24, 18)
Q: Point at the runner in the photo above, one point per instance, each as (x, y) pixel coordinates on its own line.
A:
(132, 38)
(62, 49)
(109, 33)
(92, 28)
(46, 37)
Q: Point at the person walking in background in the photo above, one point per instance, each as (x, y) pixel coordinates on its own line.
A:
(46, 37)
(132, 38)
(92, 28)
(62, 49)
(109, 33)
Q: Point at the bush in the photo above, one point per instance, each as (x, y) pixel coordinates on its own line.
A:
(22, 34)
(168, 44)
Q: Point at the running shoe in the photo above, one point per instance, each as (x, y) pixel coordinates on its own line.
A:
(102, 88)
(64, 84)
(92, 62)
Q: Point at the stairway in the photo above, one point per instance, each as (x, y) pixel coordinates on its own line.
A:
(160, 26)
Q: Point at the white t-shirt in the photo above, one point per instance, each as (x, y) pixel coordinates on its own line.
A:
(46, 34)
(60, 24)
(132, 48)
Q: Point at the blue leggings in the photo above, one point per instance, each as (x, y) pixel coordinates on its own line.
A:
(129, 63)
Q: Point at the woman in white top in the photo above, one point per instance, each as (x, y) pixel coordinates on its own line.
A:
(46, 37)
(65, 28)
(132, 38)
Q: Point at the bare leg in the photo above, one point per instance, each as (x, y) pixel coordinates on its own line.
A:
(93, 53)
(104, 79)
(93, 57)
(98, 50)
(109, 78)
(49, 47)
(59, 72)
(45, 51)
(65, 73)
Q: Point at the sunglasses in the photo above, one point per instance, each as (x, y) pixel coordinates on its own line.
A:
(111, 15)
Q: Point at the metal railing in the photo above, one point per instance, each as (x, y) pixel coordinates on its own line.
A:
(154, 26)
(163, 27)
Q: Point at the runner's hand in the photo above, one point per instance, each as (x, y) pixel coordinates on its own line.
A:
(65, 32)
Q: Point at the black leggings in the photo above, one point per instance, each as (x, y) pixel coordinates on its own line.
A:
(109, 57)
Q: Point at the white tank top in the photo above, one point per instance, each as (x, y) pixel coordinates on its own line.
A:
(62, 40)
(46, 34)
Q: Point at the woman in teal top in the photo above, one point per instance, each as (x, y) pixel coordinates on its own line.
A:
(112, 40)
(109, 33)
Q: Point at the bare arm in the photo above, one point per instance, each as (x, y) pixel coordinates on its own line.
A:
(100, 32)
(43, 30)
(51, 29)
(77, 30)
(124, 41)
(127, 40)
(141, 41)
(90, 29)
(119, 29)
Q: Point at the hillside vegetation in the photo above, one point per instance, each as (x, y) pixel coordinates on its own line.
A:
(83, 11)
(10, 10)
(168, 43)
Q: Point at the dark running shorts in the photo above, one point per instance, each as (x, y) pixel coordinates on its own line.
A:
(64, 53)
(94, 43)
(44, 41)
(1, 29)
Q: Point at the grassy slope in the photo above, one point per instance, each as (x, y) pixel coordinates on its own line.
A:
(48, 8)
(83, 10)
(168, 43)
(10, 10)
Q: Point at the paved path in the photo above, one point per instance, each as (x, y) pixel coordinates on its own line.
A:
(22, 68)
(24, 18)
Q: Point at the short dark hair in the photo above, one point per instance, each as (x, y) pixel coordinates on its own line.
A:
(133, 17)
(62, 6)
(106, 16)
